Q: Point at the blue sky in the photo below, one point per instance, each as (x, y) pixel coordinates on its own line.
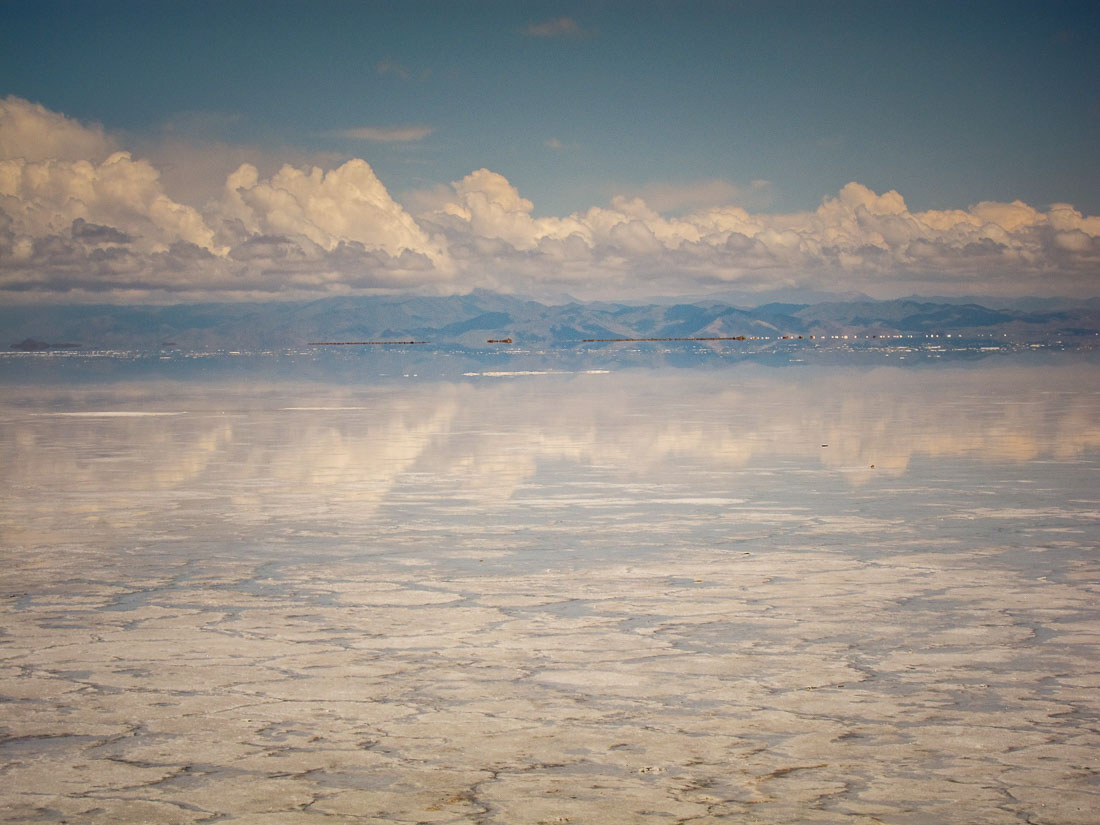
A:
(769, 106)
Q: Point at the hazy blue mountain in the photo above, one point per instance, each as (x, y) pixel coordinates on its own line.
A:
(473, 319)
(1020, 304)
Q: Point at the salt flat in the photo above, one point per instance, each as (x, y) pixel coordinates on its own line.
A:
(653, 596)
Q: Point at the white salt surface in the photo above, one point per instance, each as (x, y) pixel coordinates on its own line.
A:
(644, 597)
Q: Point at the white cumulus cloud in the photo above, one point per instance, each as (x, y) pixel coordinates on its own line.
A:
(348, 203)
(32, 133)
(81, 217)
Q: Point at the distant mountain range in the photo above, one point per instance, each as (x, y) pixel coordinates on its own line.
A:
(472, 320)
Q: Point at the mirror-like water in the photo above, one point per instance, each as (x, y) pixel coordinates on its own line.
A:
(818, 594)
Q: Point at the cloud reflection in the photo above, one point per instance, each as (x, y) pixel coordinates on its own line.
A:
(337, 451)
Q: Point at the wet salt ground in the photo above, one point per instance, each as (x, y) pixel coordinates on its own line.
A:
(637, 597)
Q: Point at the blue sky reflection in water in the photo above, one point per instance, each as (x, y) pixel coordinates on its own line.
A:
(505, 597)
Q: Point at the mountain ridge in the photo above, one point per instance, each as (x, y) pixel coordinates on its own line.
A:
(473, 319)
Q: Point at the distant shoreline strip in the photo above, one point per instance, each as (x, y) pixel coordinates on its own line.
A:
(713, 338)
(361, 343)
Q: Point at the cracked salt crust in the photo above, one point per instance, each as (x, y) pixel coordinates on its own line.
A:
(825, 651)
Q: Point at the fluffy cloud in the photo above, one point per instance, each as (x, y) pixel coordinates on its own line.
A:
(102, 223)
(78, 215)
(34, 133)
(857, 240)
(346, 204)
(44, 197)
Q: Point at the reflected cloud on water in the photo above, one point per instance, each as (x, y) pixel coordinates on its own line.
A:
(482, 439)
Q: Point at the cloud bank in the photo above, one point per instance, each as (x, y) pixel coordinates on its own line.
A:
(83, 219)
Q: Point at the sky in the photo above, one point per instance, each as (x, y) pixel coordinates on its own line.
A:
(179, 151)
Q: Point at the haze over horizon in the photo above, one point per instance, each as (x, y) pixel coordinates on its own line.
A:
(163, 152)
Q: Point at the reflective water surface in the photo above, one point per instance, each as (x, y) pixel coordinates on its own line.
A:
(748, 594)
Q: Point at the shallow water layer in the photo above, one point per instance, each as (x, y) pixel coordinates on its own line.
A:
(510, 596)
